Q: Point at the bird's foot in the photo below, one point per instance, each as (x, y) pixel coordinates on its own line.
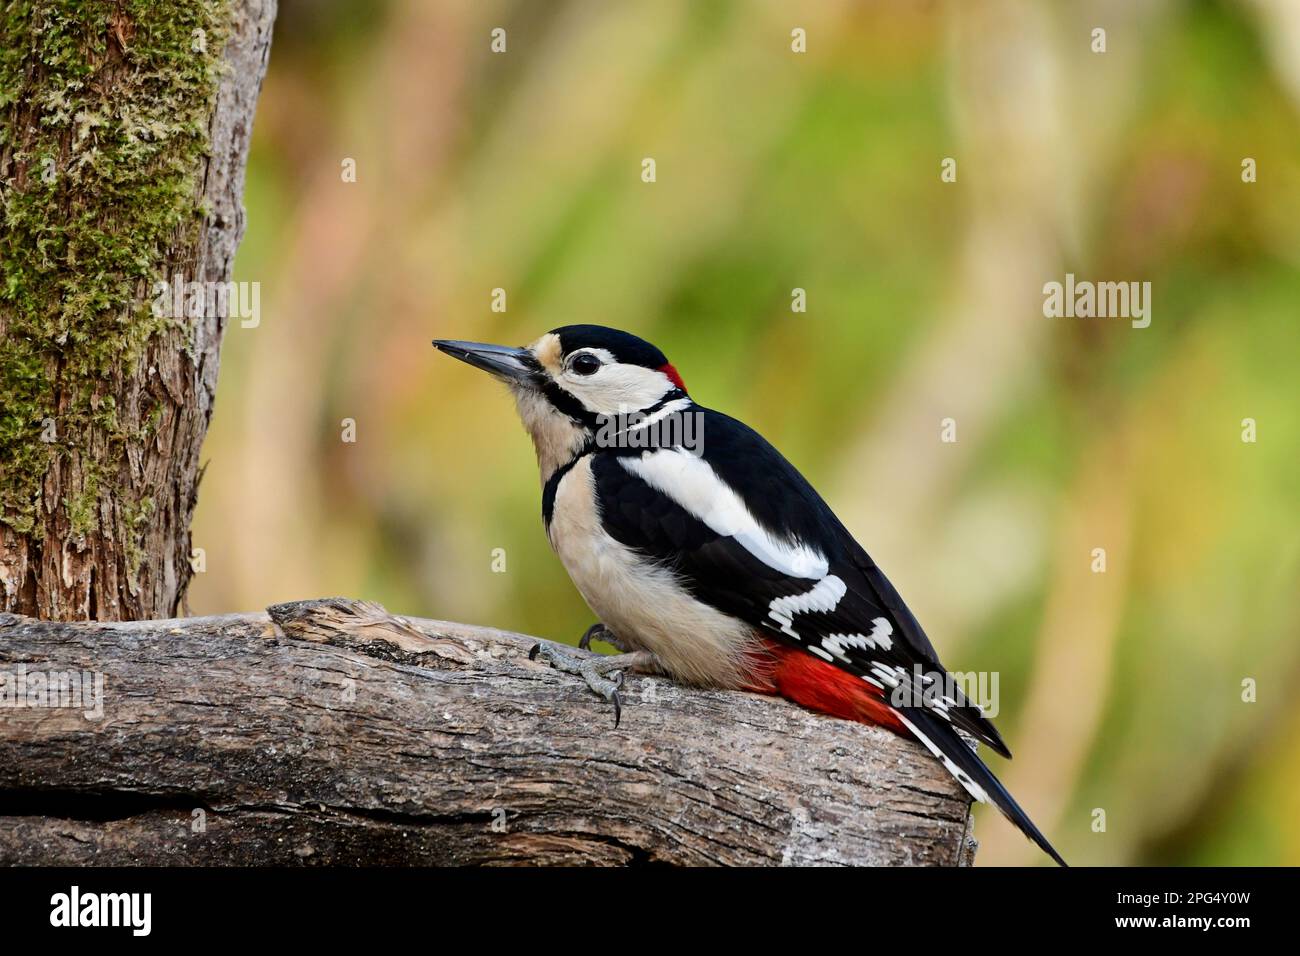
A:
(604, 675)
(599, 632)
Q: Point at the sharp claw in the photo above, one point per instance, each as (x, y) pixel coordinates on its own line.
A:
(604, 675)
(584, 642)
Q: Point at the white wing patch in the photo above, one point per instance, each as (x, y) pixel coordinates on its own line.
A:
(890, 675)
(881, 630)
(825, 594)
(878, 639)
(692, 483)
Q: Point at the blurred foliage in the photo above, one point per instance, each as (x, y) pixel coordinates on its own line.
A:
(1120, 691)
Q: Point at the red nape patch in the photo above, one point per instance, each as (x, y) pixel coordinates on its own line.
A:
(673, 377)
(797, 675)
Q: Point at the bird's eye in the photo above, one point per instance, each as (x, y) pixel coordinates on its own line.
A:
(584, 363)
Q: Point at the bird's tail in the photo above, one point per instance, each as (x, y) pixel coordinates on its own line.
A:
(961, 761)
(813, 683)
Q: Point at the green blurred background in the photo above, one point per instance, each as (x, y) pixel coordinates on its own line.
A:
(775, 170)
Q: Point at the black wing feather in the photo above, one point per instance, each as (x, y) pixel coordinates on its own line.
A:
(721, 572)
(724, 574)
(934, 732)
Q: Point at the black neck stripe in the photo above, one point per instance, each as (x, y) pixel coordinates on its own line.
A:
(671, 395)
(565, 403)
(553, 484)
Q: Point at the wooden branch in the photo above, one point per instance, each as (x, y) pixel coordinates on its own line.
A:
(331, 732)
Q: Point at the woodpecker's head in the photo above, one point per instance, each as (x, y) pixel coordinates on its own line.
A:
(571, 379)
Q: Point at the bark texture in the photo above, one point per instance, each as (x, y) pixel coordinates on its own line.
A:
(124, 129)
(330, 732)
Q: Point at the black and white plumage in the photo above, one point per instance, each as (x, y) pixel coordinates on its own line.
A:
(716, 562)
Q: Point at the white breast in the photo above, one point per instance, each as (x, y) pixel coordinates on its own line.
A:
(643, 603)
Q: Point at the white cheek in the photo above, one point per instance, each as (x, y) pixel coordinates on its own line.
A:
(617, 388)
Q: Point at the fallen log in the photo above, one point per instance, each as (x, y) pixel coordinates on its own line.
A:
(330, 732)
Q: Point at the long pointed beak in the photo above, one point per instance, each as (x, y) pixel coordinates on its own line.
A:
(503, 361)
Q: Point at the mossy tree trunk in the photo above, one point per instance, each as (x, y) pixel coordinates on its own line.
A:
(124, 128)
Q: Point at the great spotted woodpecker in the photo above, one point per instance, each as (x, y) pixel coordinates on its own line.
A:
(708, 558)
